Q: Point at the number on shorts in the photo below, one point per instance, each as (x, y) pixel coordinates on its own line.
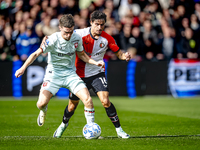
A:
(103, 80)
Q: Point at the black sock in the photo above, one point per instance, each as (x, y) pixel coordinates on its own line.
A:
(67, 115)
(112, 114)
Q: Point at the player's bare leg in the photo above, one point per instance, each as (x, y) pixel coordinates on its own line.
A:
(111, 113)
(84, 95)
(44, 98)
(70, 108)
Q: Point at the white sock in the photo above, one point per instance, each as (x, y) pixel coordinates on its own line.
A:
(63, 124)
(89, 114)
(43, 109)
(118, 129)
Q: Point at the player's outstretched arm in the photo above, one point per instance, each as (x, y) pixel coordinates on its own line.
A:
(123, 56)
(82, 55)
(29, 61)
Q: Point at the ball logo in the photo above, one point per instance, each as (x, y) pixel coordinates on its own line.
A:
(75, 45)
(101, 45)
(44, 84)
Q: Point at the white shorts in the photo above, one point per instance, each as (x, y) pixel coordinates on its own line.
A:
(53, 83)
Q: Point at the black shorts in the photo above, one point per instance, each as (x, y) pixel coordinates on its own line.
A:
(96, 83)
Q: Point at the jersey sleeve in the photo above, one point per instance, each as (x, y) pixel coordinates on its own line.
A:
(112, 44)
(49, 44)
(80, 45)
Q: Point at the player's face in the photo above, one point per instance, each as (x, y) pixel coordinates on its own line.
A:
(97, 26)
(66, 32)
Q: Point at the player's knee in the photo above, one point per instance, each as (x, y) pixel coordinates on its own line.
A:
(88, 102)
(72, 107)
(41, 104)
(105, 102)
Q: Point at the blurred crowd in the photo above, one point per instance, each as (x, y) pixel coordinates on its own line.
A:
(151, 30)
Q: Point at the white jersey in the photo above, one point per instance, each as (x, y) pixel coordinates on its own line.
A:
(61, 53)
(95, 49)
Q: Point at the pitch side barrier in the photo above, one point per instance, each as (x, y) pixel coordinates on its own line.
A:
(137, 78)
(181, 78)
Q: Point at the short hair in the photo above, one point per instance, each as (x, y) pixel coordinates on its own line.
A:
(66, 20)
(96, 15)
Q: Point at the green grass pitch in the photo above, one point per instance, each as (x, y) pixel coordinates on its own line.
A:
(153, 122)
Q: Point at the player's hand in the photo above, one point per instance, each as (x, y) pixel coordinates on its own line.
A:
(128, 56)
(44, 43)
(19, 72)
(101, 63)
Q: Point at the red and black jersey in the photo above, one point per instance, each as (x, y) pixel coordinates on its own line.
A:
(94, 48)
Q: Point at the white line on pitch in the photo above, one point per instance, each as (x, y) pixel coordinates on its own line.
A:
(143, 136)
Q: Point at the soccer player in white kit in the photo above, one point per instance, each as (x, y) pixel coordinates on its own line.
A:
(95, 43)
(62, 48)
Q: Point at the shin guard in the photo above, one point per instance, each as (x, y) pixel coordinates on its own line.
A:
(67, 115)
(112, 114)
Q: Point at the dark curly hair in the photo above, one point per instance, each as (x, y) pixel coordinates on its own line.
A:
(96, 15)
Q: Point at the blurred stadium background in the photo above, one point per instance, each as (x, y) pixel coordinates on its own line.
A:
(163, 39)
(161, 35)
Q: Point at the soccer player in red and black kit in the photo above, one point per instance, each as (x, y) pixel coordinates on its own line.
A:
(95, 43)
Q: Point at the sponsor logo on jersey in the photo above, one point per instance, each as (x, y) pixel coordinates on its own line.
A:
(62, 55)
(98, 53)
(101, 45)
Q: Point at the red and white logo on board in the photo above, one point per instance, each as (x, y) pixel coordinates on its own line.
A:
(75, 45)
